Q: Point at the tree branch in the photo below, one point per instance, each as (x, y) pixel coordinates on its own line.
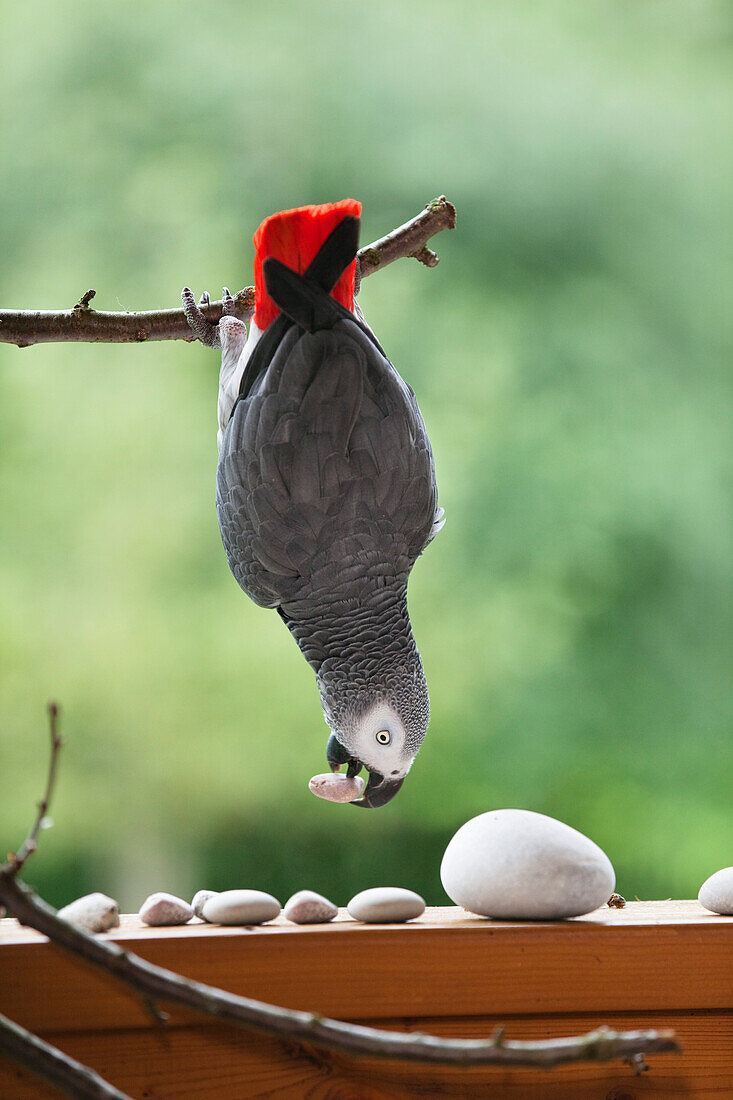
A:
(410, 239)
(61, 1070)
(27, 327)
(28, 847)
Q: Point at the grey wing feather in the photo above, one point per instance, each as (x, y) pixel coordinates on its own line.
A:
(326, 474)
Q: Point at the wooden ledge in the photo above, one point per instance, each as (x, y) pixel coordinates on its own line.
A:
(651, 964)
(663, 955)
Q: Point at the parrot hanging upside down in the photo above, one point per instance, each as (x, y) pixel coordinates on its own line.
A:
(326, 491)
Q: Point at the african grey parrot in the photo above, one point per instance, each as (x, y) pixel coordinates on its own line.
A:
(326, 491)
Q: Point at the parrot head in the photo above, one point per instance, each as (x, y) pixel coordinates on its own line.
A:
(379, 730)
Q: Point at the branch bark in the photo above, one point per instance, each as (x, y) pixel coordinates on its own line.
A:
(410, 239)
(71, 1077)
(27, 327)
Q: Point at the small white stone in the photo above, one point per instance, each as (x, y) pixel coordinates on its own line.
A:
(335, 787)
(386, 905)
(92, 913)
(521, 865)
(716, 892)
(305, 907)
(199, 901)
(241, 907)
(164, 909)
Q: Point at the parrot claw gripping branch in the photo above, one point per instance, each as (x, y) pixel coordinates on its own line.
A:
(326, 492)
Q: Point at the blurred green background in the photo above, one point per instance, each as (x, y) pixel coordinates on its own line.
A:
(569, 355)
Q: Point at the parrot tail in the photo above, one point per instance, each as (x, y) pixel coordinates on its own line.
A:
(294, 238)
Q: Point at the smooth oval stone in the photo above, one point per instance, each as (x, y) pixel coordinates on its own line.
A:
(521, 865)
(335, 787)
(386, 905)
(92, 913)
(199, 900)
(241, 907)
(306, 907)
(165, 909)
(716, 892)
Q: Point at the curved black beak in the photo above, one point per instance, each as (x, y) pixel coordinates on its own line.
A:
(378, 791)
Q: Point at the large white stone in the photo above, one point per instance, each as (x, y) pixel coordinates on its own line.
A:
(165, 909)
(521, 865)
(92, 913)
(386, 905)
(241, 907)
(307, 907)
(716, 893)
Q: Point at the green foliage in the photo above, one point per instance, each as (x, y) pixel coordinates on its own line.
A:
(568, 354)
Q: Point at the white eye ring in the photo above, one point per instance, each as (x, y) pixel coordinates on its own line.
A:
(384, 737)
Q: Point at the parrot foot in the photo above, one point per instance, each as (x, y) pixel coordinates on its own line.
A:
(202, 328)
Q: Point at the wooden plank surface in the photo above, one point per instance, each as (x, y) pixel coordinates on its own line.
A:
(651, 956)
(652, 964)
(203, 1063)
(638, 913)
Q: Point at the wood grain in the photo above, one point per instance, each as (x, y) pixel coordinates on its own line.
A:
(207, 1062)
(445, 964)
(652, 964)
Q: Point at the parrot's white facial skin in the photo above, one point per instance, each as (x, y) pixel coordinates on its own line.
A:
(378, 741)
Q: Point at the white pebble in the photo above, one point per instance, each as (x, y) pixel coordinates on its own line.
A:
(385, 905)
(164, 909)
(305, 907)
(92, 913)
(716, 893)
(199, 901)
(335, 787)
(521, 865)
(241, 907)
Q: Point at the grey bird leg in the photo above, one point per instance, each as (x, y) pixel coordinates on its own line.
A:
(232, 334)
(202, 329)
(357, 308)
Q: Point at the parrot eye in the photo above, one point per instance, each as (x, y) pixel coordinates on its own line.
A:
(384, 737)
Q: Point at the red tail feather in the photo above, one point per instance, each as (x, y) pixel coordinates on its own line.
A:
(294, 237)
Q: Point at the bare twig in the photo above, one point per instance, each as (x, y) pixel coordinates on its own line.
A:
(68, 1075)
(27, 327)
(28, 847)
(154, 983)
(410, 239)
